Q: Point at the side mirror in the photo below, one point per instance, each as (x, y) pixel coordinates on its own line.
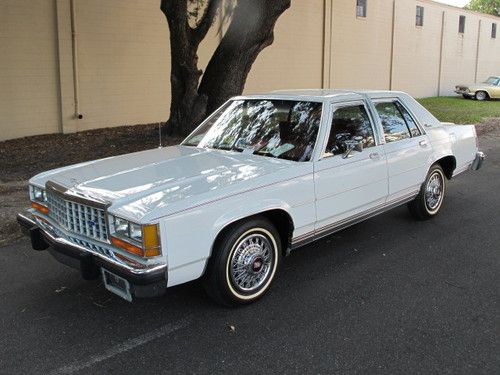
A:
(354, 144)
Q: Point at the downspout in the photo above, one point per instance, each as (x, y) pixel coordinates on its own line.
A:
(74, 50)
(441, 54)
(477, 51)
(393, 31)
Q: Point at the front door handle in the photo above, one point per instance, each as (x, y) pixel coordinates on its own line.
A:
(423, 143)
(374, 156)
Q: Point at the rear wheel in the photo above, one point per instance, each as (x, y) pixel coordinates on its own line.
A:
(244, 262)
(429, 200)
(481, 95)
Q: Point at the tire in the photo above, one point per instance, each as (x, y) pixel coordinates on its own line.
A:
(429, 200)
(465, 96)
(481, 95)
(244, 262)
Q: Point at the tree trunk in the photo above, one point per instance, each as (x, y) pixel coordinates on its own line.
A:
(187, 108)
(249, 32)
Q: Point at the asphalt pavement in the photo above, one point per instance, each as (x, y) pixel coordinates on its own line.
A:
(389, 295)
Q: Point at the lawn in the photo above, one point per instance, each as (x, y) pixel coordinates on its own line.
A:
(461, 111)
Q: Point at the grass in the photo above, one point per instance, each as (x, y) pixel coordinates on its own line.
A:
(461, 111)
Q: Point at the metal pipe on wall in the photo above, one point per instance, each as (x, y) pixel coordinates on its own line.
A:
(74, 50)
(477, 50)
(441, 54)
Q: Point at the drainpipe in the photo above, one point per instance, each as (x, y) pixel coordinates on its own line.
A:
(74, 50)
(477, 51)
(393, 32)
(441, 55)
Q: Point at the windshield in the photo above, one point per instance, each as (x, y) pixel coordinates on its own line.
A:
(492, 81)
(282, 129)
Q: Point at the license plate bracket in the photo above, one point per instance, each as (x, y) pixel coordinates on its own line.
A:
(116, 284)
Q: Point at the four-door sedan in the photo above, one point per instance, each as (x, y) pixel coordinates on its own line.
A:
(260, 177)
(489, 89)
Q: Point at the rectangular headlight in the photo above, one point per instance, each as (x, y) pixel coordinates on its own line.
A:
(142, 240)
(38, 197)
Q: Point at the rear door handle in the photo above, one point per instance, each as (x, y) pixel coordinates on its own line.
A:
(423, 143)
(374, 156)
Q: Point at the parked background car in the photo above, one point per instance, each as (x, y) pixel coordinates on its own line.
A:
(489, 89)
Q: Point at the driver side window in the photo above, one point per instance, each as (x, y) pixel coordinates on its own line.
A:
(348, 123)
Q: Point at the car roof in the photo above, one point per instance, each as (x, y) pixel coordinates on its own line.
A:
(319, 94)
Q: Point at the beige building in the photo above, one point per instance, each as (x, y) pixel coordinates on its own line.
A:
(108, 60)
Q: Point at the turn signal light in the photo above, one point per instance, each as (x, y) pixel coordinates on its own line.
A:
(40, 207)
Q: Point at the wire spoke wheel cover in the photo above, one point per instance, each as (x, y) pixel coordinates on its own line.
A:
(252, 263)
(434, 191)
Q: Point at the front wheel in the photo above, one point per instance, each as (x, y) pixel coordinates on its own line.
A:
(481, 95)
(244, 262)
(429, 200)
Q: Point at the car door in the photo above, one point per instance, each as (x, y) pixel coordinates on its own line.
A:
(407, 148)
(349, 183)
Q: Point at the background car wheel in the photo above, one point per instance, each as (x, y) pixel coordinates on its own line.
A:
(481, 95)
(243, 263)
(465, 96)
(429, 200)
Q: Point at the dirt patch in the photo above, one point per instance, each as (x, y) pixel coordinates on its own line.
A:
(22, 158)
(488, 125)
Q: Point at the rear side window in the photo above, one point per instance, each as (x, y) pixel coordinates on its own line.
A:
(410, 122)
(393, 122)
(348, 123)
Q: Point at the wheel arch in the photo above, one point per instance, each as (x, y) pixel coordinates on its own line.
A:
(448, 163)
(279, 217)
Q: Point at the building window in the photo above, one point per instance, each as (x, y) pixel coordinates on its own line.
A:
(493, 30)
(361, 8)
(461, 24)
(419, 21)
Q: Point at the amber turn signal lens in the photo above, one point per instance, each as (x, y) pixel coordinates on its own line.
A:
(150, 236)
(127, 246)
(40, 207)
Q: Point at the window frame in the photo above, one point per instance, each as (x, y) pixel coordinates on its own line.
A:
(461, 24)
(363, 6)
(493, 30)
(419, 16)
(350, 103)
(376, 101)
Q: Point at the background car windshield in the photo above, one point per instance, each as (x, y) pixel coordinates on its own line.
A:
(276, 128)
(492, 81)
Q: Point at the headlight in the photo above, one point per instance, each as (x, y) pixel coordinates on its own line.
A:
(142, 240)
(38, 197)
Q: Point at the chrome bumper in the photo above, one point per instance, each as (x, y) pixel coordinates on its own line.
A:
(478, 161)
(146, 281)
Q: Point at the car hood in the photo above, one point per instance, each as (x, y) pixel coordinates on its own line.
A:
(172, 177)
(475, 86)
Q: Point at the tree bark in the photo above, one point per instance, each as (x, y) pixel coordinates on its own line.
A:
(187, 107)
(249, 32)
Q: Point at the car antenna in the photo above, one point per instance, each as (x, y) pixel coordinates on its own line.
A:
(159, 134)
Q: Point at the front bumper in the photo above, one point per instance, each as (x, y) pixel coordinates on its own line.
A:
(478, 161)
(144, 281)
(465, 92)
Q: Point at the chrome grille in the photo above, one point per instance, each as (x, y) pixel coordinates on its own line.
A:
(77, 218)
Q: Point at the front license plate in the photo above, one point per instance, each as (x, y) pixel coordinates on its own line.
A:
(116, 284)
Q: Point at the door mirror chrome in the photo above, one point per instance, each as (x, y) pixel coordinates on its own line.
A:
(354, 144)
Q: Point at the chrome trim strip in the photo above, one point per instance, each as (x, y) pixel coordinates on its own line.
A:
(74, 197)
(306, 238)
